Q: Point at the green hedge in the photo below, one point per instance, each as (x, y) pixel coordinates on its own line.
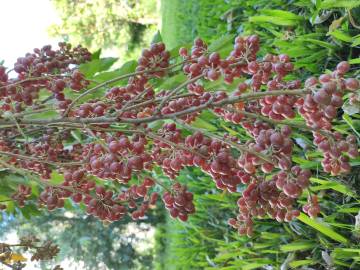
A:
(317, 35)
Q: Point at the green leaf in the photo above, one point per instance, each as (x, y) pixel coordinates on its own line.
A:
(263, 245)
(356, 41)
(68, 205)
(355, 162)
(4, 198)
(270, 236)
(96, 55)
(56, 178)
(77, 135)
(156, 124)
(200, 123)
(335, 24)
(10, 207)
(321, 43)
(349, 121)
(43, 115)
(347, 266)
(306, 164)
(354, 250)
(340, 35)
(255, 263)
(273, 20)
(14, 180)
(126, 68)
(282, 14)
(229, 130)
(296, 51)
(354, 61)
(97, 65)
(172, 82)
(298, 245)
(318, 180)
(296, 264)
(221, 42)
(157, 38)
(30, 210)
(277, 34)
(332, 184)
(339, 4)
(314, 57)
(345, 253)
(228, 255)
(35, 188)
(251, 266)
(326, 230)
(349, 210)
(335, 186)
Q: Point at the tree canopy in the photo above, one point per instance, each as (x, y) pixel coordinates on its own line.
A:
(118, 25)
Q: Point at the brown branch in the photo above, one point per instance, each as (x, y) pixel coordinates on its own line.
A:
(133, 100)
(285, 122)
(98, 87)
(28, 132)
(97, 128)
(178, 88)
(157, 100)
(175, 90)
(18, 156)
(18, 115)
(175, 145)
(34, 79)
(116, 79)
(47, 183)
(109, 120)
(257, 95)
(237, 146)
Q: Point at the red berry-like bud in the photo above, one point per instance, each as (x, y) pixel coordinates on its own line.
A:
(343, 67)
(352, 84)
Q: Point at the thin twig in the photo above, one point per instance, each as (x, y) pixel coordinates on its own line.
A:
(175, 145)
(284, 122)
(110, 120)
(18, 115)
(50, 76)
(178, 88)
(18, 156)
(240, 147)
(131, 101)
(116, 79)
(157, 100)
(175, 90)
(351, 19)
(47, 183)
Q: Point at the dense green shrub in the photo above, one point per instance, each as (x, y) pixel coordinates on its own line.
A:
(316, 34)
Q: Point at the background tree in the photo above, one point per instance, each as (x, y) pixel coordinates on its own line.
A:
(86, 240)
(118, 26)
